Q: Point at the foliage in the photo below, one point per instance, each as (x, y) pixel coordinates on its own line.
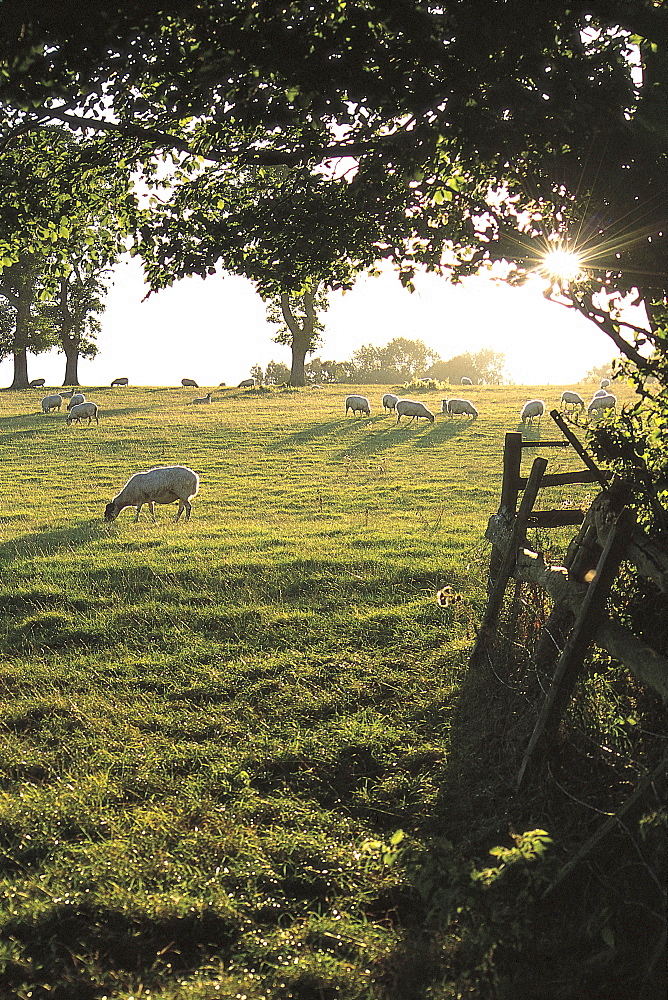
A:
(599, 372)
(484, 366)
(401, 360)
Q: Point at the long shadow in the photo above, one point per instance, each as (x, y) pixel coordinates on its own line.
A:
(319, 430)
(47, 542)
(530, 432)
(412, 434)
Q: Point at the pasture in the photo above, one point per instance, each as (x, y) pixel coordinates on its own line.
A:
(211, 732)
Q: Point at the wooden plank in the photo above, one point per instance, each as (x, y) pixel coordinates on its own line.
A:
(602, 477)
(508, 560)
(546, 444)
(565, 478)
(556, 518)
(582, 634)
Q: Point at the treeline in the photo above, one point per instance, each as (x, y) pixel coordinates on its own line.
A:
(399, 361)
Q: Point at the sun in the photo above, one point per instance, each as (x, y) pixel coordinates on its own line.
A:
(562, 265)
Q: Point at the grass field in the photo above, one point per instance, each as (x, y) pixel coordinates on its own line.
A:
(212, 731)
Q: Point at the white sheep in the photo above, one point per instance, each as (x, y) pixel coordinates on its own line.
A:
(80, 411)
(456, 406)
(120, 381)
(605, 382)
(205, 399)
(358, 404)
(466, 380)
(601, 403)
(247, 383)
(164, 484)
(189, 383)
(390, 401)
(532, 410)
(53, 402)
(600, 392)
(75, 399)
(572, 399)
(414, 409)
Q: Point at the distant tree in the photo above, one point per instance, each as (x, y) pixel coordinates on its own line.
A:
(276, 373)
(326, 371)
(257, 373)
(483, 366)
(400, 360)
(598, 372)
(300, 325)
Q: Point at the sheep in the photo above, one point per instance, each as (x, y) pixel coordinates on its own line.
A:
(205, 399)
(572, 399)
(37, 383)
(456, 406)
(389, 401)
(533, 409)
(189, 383)
(601, 403)
(82, 410)
(600, 392)
(358, 404)
(414, 409)
(163, 484)
(605, 382)
(247, 383)
(466, 380)
(120, 381)
(75, 399)
(53, 402)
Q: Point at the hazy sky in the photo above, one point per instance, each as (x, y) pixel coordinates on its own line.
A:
(213, 330)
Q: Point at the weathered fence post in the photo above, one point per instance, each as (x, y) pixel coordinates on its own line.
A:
(507, 564)
(582, 634)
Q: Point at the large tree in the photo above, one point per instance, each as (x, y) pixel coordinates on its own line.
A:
(300, 326)
(26, 326)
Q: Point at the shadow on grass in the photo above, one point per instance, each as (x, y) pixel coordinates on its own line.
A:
(48, 542)
(107, 940)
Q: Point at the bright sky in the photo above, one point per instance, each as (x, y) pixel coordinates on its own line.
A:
(213, 330)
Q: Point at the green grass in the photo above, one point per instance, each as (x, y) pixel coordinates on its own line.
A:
(207, 728)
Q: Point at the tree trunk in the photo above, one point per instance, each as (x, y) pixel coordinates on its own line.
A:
(20, 351)
(20, 369)
(71, 363)
(299, 351)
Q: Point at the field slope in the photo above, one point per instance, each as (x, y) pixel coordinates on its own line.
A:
(211, 732)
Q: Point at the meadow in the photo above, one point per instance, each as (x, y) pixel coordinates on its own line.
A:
(223, 740)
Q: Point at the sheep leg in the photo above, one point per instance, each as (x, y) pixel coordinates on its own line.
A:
(139, 507)
(151, 507)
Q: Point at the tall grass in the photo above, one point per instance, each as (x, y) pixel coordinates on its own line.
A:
(211, 730)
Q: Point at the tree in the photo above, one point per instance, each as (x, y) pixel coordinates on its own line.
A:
(401, 360)
(79, 298)
(482, 366)
(25, 322)
(300, 326)
(599, 372)
(276, 373)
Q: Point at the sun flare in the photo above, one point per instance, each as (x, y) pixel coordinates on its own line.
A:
(564, 265)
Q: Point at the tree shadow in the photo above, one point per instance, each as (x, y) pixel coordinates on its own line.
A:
(48, 542)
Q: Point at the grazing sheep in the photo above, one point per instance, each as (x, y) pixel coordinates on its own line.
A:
(248, 383)
(75, 399)
(414, 409)
(456, 406)
(605, 382)
(601, 403)
(600, 392)
(120, 381)
(36, 383)
(80, 411)
(53, 402)
(466, 380)
(189, 383)
(532, 410)
(164, 484)
(571, 399)
(358, 404)
(390, 401)
(205, 399)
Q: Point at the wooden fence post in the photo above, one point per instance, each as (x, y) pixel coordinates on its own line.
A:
(495, 600)
(582, 634)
